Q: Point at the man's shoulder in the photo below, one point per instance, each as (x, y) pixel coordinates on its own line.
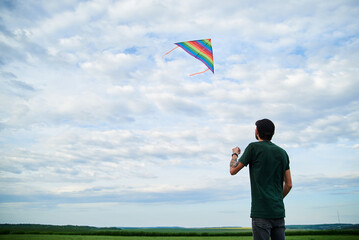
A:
(261, 144)
(255, 146)
(254, 143)
(282, 149)
(265, 144)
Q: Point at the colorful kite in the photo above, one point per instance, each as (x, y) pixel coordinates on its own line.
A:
(200, 49)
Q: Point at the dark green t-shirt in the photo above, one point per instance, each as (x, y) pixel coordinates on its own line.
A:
(267, 165)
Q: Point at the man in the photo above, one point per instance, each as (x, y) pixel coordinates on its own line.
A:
(270, 181)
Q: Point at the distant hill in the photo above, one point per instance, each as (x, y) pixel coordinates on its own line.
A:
(293, 230)
(40, 228)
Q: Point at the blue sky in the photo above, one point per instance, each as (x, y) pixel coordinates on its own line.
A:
(96, 128)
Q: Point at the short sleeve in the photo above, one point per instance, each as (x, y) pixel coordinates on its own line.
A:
(246, 156)
(287, 163)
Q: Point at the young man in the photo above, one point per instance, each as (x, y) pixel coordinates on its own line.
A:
(270, 181)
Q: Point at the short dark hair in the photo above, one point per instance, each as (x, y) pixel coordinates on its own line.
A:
(265, 128)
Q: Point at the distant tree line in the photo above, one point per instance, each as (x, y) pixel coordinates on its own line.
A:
(84, 230)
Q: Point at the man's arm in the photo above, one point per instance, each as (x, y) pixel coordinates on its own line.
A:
(287, 185)
(235, 166)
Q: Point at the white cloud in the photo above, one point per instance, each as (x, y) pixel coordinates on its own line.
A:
(109, 62)
(90, 112)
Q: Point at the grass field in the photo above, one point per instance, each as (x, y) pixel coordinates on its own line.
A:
(78, 237)
(68, 232)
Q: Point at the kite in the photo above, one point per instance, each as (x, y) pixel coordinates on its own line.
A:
(200, 49)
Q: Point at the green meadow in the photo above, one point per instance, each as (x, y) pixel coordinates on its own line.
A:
(51, 232)
(79, 237)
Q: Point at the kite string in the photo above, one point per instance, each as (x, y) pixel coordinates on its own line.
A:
(199, 72)
(169, 51)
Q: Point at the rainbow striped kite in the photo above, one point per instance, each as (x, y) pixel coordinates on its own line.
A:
(200, 49)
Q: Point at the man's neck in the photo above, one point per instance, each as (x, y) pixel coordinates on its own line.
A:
(261, 140)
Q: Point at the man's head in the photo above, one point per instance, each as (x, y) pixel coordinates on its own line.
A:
(265, 129)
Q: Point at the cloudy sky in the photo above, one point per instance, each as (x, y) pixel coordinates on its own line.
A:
(96, 128)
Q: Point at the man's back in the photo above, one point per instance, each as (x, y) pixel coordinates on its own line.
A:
(267, 165)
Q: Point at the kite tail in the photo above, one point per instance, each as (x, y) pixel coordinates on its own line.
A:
(199, 72)
(169, 52)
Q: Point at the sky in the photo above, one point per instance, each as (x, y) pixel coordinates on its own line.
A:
(98, 129)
